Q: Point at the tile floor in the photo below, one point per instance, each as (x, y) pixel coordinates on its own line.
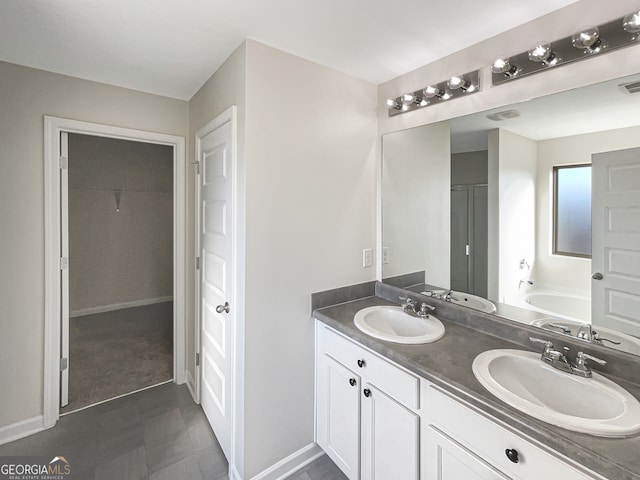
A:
(156, 434)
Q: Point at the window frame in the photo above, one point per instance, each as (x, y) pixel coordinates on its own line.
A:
(554, 238)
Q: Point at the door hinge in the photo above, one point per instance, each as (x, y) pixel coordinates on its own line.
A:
(64, 263)
(197, 165)
(64, 364)
(64, 162)
(197, 359)
(197, 263)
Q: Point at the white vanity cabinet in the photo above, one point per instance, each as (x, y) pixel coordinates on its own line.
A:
(366, 408)
(376, 420)
(459, 442)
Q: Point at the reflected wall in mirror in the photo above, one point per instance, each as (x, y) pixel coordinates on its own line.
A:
(471, 203)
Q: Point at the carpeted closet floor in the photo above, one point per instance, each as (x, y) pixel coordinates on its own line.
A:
(118, 352)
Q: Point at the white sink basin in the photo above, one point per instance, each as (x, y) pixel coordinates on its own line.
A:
(589, 405)
(395, 325)
(627, 343)
(467, 300)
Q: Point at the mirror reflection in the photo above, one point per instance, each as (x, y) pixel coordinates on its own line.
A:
(530, 210)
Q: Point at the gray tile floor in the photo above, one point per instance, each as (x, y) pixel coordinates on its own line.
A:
(156, 434)
(321, 469)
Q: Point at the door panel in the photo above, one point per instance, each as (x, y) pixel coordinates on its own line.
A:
(459, 240)
(448, 460)
(216, 253)
(64, 273)
(390, 438)
(339, 415)
(616, 240)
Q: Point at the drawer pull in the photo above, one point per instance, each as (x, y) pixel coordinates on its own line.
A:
(367, 392)
(512, 454)
(352, 382)
(361, 363)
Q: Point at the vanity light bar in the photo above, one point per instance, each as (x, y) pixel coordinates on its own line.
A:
(455, 87)
(590, 41)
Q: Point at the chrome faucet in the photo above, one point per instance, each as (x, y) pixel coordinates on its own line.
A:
(587, 333)
(558, 359)
(421, 311)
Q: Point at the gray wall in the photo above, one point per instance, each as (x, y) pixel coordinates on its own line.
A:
(26, 95)
(126, 256)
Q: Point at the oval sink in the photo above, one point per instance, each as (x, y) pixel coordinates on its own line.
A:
(594, 405)
(467, 300)
(623, 342)
(393, 324)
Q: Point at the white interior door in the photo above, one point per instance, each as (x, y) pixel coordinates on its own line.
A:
(216, 159)
(64, 269)
(615, 290)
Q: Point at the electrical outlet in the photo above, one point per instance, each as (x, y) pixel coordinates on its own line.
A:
(367, 257)
(385, 255)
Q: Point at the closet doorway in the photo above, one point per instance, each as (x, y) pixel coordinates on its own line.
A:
(120, 267)
(114, 263)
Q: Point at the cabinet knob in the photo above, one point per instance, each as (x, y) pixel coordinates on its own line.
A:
(367, 392)
(361, 363)
(352, 382)
(512, 454)
(597, 276)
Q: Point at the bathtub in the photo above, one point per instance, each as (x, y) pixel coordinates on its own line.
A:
(560, 304)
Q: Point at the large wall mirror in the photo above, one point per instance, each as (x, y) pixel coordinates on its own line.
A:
(530, 211)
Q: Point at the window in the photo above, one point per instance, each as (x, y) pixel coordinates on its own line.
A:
(572, 210)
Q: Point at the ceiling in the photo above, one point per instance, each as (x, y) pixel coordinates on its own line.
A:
(170, 47)
(594, 108)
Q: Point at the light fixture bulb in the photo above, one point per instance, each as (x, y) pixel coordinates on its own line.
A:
(446, 95)
(456, 82)
(540, 52)
(424, 102)
(586, 38)
(503, 65)
(392, 103)
(408, 99)
(432, 91)
(631, 22)
(500, 65)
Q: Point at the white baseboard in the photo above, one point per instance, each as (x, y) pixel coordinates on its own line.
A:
(119, 306)
(291, 464)
(191, 385)
(21, 429)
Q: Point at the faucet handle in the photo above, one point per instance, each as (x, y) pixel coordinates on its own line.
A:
(547, 343)
(582, 357)
(407, 301)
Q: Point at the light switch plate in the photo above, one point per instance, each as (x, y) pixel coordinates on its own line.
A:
(367, 257)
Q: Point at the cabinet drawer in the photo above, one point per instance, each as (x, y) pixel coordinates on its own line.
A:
(490, 441)
(389, 378)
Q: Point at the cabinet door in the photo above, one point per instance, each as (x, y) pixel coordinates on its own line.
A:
(390, 438)
(338, 412)
(446, 459)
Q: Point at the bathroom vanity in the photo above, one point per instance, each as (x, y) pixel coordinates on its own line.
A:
(394, 411)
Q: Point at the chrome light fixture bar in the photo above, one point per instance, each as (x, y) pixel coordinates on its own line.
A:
(585, 43)
(455, 87)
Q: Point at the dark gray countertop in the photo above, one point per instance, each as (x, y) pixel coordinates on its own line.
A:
(447, 363)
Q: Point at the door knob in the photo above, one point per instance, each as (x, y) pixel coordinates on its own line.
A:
(223, 308)
(597, 276)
